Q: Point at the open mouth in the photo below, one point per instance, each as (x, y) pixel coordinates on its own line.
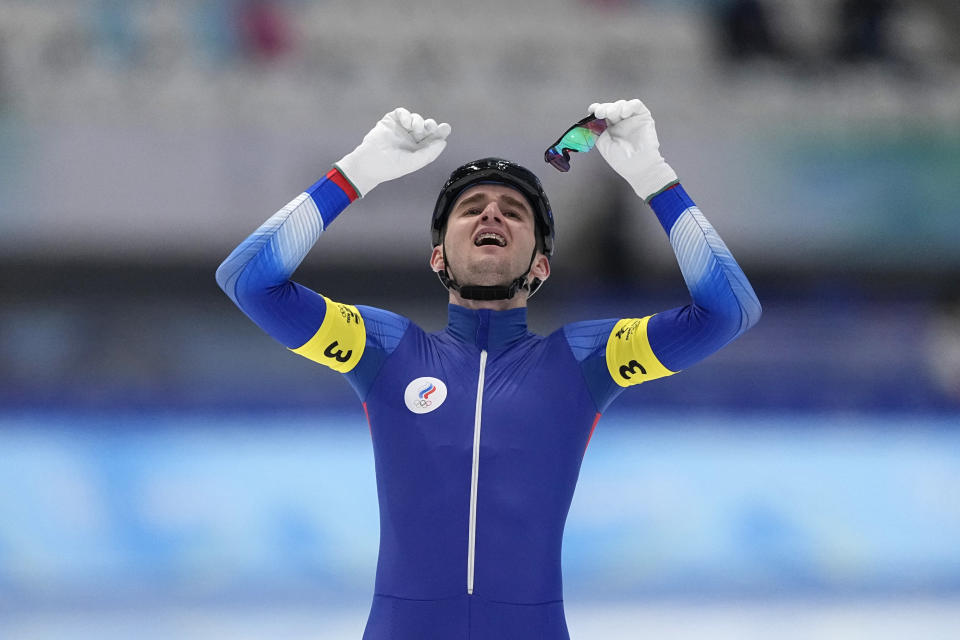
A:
(490, 238)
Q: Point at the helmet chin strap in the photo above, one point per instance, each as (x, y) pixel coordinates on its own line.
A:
(488, 292)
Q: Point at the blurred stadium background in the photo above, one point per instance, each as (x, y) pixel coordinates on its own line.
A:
(162, 459)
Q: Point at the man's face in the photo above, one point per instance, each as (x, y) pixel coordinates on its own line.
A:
(490, 237)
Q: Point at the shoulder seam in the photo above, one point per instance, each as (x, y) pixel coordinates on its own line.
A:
(373, 381)
(579, 365)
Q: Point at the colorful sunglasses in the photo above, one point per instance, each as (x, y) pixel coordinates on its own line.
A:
(581, 137)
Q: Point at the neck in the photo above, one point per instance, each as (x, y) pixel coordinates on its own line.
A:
(516, 302)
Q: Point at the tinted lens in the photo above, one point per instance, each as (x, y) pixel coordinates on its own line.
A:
(560, 160)
(581, 137)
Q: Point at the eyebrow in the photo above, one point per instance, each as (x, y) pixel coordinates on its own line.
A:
(510, 200)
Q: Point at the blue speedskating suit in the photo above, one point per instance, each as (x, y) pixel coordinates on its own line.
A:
(479, 430)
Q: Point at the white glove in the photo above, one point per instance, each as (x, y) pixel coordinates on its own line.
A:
(400, 143)
(630, 146)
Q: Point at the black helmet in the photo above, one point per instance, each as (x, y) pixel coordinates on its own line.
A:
(496, 170)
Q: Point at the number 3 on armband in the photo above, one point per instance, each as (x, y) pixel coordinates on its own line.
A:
(337, 354)
(630, 368)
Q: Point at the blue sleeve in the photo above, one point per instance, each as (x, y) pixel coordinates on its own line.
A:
(723, 304)
(614, 354)
(256, 277)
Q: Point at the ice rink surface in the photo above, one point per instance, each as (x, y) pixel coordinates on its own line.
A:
(734, 527)
(934, 619)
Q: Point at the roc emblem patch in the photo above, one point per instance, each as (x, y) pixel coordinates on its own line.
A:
(423, 395)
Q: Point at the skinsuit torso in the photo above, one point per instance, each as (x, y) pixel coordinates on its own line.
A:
(479, 430)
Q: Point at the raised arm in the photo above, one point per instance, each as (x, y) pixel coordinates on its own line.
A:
(256, 275)
(723, 304)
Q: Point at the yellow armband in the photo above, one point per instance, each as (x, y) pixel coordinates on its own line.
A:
(630, 359)
(339, 341)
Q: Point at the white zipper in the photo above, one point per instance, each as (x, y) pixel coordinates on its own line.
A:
(472, 540)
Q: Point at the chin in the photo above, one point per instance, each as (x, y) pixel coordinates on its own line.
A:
(489, 282)
(487, 273)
